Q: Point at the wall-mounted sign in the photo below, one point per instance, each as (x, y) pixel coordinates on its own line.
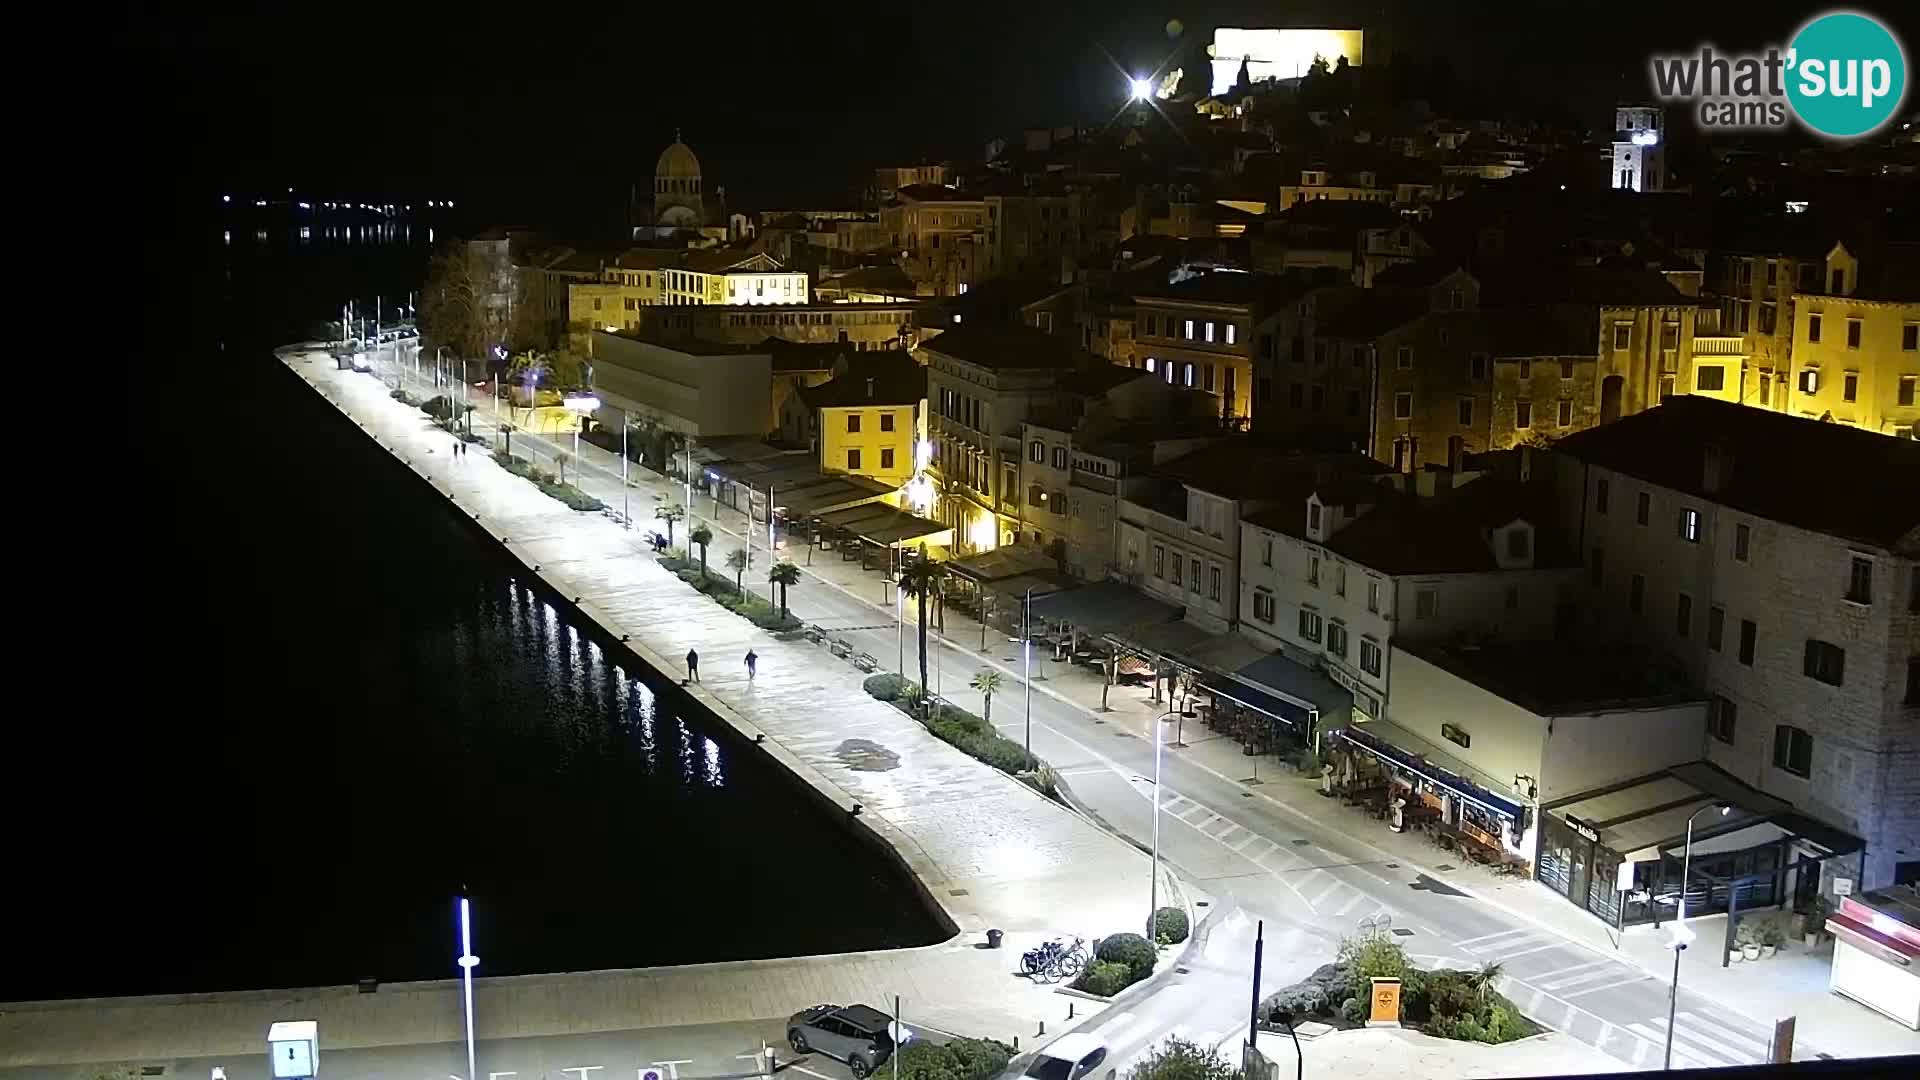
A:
(1843, 886)
(1455, 734)
(1623, 878)
(1582, 828)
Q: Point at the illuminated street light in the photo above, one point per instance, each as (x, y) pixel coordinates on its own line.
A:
(1682, 937)
(467, 962)
(1140, 89)
(581, 406)
(1153, 887)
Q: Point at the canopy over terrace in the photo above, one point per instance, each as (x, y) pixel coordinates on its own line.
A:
(878, 525)
(800, 490)
(982, 579)
(1761, 852)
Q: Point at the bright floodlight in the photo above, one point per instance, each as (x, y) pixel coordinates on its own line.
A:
(1142, 89)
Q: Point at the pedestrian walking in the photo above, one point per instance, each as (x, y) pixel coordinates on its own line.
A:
(752, 659)
(693, 666)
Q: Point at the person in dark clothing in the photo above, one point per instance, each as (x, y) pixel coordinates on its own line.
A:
(752, 659)
(693, 666)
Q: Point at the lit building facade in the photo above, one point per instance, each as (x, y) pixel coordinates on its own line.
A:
(1856, 351)
(1639, 149)
(1737, 542)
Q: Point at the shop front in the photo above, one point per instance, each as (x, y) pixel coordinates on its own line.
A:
(1876, 952)
(1419, 787)
(1618, 852)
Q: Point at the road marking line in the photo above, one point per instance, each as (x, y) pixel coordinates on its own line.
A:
(1624, 980)
(802, 1068)
(1681, 1053)
(1562, 981)
(1182, 815)
(1569, 970)
(1707, 1024)
(1518, 930)
(1700, 1044)
(1113, 1023)
(1358, 898)
(1221, 836)
(1506, 957)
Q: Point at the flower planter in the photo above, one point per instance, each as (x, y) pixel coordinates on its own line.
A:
(1766, 952)
(1752, 952)
(1813, 939)
(1735, 955)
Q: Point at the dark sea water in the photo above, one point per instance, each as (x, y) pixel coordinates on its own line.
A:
(326, 706)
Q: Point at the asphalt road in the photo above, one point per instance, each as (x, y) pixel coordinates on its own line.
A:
(1312, 879)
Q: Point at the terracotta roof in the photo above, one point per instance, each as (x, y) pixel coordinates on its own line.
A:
(1824, 477)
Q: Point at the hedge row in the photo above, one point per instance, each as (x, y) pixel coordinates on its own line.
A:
(721, 590)
(959, 728)
(548, 485)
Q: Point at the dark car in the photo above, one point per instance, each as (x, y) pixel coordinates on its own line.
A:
(856, 1034)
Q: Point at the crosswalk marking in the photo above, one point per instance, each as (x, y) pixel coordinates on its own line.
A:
(1244, 844)
(1577, 974)
(1751, 1045)
(1469, 943)
(1624, 980)
(1507, 957)
(1681, 1053)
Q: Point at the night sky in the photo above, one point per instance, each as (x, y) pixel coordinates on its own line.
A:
(536, 111)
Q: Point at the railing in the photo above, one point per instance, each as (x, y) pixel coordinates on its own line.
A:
(1719, 346)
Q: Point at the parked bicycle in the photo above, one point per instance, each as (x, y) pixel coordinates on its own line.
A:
(1053, 960)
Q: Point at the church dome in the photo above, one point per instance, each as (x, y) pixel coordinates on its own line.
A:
(677, 163)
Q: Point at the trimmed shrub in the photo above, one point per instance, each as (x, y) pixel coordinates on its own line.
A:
(1302, 999)
(1178, 1059)
(980, 1059)
(1373, 958)
(885, 686)
(1170, 926)
(926, 1061)
(1129, 949)
(1353, 1011)
(1105, 978)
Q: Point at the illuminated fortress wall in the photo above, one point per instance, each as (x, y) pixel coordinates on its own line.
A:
(1278, 54)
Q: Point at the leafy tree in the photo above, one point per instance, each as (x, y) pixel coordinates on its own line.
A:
(737, 560)
(1178, 1059)
(987, 681)
(1371, 958)
(784, 574)
(671, 512)
(920, 581)
(700, 536)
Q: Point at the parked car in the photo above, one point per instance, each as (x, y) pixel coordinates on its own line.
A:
(1068, 1057)
(856, 1034)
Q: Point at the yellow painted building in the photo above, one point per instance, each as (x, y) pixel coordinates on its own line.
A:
(870, 419)
(1856, 352)
(733, 278)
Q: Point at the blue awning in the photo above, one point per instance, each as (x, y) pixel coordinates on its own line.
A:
(1426, 770)
(1293, 712)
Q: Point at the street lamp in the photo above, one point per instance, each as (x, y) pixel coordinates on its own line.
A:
(1299, 1062)
(1026, 655)
(1682, 937)
(1153, 888)
(467, 962)
(1140, 89)
(581, 406)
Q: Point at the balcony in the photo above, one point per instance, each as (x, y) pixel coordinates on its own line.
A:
(1719, 345)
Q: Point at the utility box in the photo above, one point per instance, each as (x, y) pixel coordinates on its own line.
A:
(293, 1049)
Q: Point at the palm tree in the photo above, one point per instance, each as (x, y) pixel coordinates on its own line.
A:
(1484, 979)
(670, 512)
(737, 560)
(921, 580)
(784, 574)
(987, 681)
(700, 536)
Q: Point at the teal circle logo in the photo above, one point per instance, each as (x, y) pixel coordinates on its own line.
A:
(1848, 75)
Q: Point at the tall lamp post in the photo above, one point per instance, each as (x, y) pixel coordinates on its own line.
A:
(1026, 656)
(581, 406)
(468, 962)
(1682, 937)
(1153, 888)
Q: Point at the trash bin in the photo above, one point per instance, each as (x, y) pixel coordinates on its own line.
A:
(993, 939)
